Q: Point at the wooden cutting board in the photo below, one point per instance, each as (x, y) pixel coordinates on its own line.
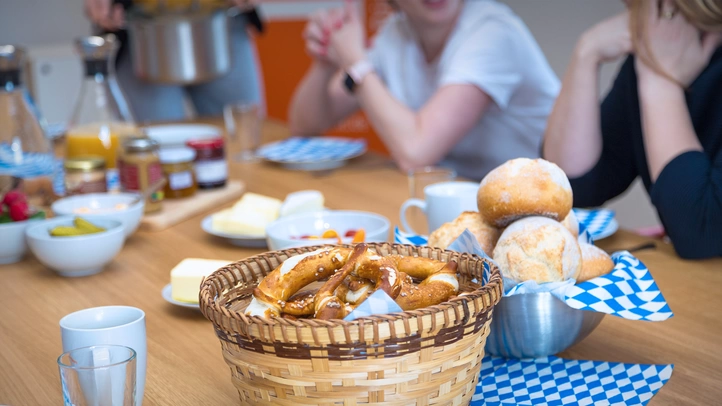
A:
(177, 210)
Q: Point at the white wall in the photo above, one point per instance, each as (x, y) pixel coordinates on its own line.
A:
(556, 24)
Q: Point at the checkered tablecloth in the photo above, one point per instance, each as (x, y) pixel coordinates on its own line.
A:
(557, 381)
(312, 149)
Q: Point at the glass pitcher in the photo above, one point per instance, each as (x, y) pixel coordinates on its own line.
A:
(25, 152)
(101, 116)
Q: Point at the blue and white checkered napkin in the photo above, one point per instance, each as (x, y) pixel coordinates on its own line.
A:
(378, 303)
(20, 164)
(598, 223)
(557, 381)
(629, 291)
(312, 149)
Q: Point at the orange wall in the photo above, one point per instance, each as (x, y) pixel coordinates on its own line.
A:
(284, 62)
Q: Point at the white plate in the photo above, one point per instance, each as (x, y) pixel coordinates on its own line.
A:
(239, 240)
(313, 153)
(168, 296)
(176, 135)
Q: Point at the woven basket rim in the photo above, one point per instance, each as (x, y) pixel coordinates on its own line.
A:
(210, 304)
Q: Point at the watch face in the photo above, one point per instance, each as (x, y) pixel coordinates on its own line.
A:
(349, 83)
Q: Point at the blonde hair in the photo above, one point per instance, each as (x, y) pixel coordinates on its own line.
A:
(706, 15)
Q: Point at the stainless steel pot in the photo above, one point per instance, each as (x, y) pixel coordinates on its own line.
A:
(180, 48)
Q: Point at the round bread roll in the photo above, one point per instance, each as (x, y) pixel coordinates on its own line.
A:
(539, 249)
(485, 234)
(595, 262)
(571, 223)
(524, 187)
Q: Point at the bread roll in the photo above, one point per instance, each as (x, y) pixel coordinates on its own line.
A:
(571, 223)
(539, 249)
(595, 262)
(524, 187)
(485, 234)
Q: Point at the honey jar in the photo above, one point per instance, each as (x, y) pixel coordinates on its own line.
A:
(177, 166)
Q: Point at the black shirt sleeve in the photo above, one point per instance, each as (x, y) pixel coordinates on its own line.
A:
(616, 169)
(688, 197)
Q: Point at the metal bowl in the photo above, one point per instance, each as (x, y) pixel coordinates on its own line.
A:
(536, 325)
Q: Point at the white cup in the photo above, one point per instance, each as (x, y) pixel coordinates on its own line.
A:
(113, 325)
(443, 202)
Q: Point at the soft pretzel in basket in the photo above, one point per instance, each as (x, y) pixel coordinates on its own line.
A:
(354, 273)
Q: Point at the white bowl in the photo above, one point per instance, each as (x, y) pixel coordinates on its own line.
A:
(176, 135)
(75, 256)
(12, 241)
(103, 206)
(285, 232)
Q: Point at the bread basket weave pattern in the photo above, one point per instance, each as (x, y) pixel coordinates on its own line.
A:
(421, 357)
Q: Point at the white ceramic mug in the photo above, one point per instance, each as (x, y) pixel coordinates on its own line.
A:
(115, 325)
(443, 202)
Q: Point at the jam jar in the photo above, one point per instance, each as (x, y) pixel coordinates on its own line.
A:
(210, 164)
(85, 175)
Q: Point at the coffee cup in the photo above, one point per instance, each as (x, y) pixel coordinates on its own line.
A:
(109, 325)
(443, 202)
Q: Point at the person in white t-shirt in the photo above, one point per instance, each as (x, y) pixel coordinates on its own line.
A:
(462, 84)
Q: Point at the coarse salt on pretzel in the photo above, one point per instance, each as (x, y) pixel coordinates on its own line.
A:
(270, 296)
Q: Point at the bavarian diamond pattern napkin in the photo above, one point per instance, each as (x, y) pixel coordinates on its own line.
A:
(629, 291)
(557, 381)
(597, 222)
(377, 303)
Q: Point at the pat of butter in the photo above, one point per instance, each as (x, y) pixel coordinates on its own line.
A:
(303, 201)
(261, 206)
(243, 223)
(186, 277)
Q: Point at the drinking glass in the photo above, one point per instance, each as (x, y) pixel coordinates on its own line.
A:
(101, 375)
(243, 127)
(419, 178)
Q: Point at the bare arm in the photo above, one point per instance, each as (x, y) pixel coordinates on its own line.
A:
(319, 102)
(573, 138)
(424, 137)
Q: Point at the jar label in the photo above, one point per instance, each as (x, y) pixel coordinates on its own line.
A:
(211, 171)
(131, 174)
(180, 180)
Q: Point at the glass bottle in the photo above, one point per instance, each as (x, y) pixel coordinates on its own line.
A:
(101, 116)
(24, 147)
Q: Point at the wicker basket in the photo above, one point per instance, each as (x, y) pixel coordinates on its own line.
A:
(421, 357)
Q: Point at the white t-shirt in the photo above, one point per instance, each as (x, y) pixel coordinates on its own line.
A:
(492, 49)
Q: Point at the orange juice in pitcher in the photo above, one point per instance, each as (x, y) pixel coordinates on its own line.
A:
(101, 116)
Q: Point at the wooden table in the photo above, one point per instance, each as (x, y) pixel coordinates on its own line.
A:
(185, 365)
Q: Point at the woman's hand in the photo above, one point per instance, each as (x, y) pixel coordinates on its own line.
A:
(105, 14)
(317, 35)
(349, 40)
(679, 48)
(608, 40)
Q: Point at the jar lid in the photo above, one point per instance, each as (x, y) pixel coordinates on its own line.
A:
(85, 164)
(177, 155)
(140, 144)
(208, 143)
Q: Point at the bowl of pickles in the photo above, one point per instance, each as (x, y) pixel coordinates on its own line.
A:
(75, 246)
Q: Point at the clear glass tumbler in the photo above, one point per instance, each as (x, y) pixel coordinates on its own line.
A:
(419, 178)
(243, 127)
(101, 375)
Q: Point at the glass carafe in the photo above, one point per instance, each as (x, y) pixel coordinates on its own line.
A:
(101, 116)
(24, 148)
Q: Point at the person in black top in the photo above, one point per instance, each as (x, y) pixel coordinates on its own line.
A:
(662, 119)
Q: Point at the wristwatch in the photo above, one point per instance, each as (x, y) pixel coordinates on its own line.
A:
(356, 73)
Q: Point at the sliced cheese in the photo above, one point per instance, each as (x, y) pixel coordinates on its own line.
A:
(186, 277)
(303, 201)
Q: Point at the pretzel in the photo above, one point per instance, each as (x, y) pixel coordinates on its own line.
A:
(354, 275)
